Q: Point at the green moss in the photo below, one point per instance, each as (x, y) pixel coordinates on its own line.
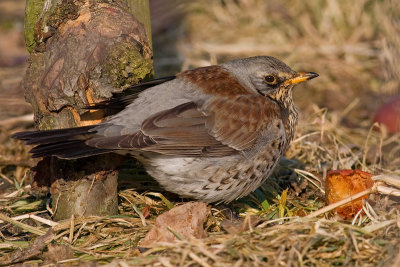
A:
(48, 122)
(35, 18)
(32, 13)
(126, 65)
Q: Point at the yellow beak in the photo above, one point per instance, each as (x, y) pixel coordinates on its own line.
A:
(301, 77)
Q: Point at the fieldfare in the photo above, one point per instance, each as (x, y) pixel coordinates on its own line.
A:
(213, 133)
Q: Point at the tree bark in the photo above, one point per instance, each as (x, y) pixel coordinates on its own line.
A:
(82, 51)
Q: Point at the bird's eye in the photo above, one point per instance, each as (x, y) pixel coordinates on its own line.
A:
(270, 79)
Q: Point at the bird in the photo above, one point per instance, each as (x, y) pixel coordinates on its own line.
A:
(212, 133)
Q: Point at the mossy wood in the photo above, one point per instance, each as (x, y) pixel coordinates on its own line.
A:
(81, 52)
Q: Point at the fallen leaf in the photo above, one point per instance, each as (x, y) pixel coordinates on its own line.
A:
(57, 253)
(146, 211)
(181, 222)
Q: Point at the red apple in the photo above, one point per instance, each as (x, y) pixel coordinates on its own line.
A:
(389, 114)
(340, 184)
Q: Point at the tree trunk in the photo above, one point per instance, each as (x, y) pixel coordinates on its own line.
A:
(81, 52)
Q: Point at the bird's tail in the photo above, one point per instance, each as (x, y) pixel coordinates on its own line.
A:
(67, 143)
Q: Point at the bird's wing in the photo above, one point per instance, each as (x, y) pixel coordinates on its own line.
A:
(120, 100)
(239, 121)
(219, 127)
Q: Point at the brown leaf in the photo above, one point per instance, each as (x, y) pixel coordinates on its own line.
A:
(57, 253)
(146, 211)
(185, 221)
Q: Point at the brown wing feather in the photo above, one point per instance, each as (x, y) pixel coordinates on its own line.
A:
(177, 131)
(238, 121)
(221, 127)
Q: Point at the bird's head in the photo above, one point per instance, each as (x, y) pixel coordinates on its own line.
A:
(268, 76)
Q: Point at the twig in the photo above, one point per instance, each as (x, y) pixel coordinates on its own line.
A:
(15, 193)
(177, 235)
(34, 217)
(16, 162)
(15, 120)
(304, 137)
(33, 250)
(23, 226)
(276, 220)
(142, 218)
(48, 208)
(71, 229)
(164, 261)
(198, 260)
(135, 208)
(6, 178)
(341, 202)
(354, 241)
(379, 187)
(373, 227)
(306, 175)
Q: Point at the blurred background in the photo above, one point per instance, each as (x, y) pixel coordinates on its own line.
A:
(353, 45)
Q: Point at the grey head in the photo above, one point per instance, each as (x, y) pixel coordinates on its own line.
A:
(267, 76)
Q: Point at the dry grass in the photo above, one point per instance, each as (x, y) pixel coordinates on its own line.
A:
(353, 45)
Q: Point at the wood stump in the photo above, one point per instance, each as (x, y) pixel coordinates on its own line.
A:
(81, 52)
